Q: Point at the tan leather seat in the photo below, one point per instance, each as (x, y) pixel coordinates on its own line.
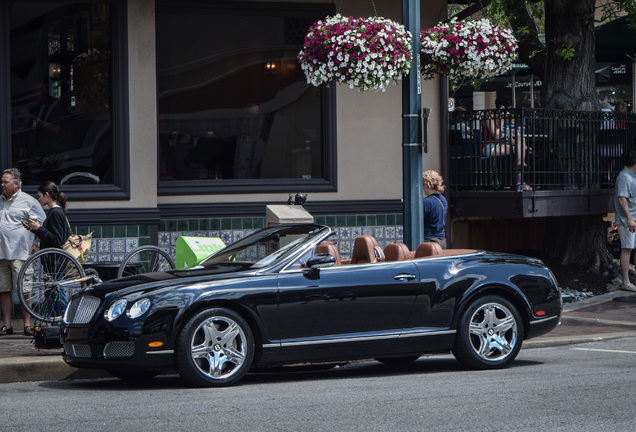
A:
(396, 252)
(331, 249)
(428, 249)
(366, 250)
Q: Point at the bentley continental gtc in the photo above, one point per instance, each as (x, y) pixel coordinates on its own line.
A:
(283, 295)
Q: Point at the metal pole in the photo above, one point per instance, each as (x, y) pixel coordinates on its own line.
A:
(514, 90)
(412, 133)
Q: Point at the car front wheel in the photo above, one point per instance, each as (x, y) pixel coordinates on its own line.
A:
(489, 334)
(215, 348)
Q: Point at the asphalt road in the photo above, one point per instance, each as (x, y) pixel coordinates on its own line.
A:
(581, 387)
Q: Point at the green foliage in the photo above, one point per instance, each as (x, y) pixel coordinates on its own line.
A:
(566, 52)
(497, 12)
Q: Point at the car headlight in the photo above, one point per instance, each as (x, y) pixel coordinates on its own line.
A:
(115, 310)
(139, 308)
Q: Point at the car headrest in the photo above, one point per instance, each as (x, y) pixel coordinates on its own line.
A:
(427, 249)
(366, 250)
(396, 252)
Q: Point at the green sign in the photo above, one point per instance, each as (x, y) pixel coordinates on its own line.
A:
(191, 250)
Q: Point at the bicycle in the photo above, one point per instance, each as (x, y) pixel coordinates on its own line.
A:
(46, 282)
(145, 259)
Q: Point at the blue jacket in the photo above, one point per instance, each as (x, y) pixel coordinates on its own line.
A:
(435, 208)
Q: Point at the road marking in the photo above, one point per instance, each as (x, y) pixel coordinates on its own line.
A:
(605, 350)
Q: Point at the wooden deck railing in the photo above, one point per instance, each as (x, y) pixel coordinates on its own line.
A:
(545, 149)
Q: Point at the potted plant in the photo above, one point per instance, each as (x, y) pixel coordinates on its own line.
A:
(458, 49)
(363, 53)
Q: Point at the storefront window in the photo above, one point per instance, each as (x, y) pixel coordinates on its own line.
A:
(233, 104)
(61, 91)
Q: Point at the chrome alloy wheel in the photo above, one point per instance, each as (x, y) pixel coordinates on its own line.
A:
(218, 347)
(493, 332)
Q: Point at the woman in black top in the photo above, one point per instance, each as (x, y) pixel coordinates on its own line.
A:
(53, 233)
(55, 230)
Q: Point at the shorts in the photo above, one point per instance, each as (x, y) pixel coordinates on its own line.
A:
(489, 150)
(9, 270)
(627, 237)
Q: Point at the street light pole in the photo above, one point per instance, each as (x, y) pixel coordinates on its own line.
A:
(412, 133)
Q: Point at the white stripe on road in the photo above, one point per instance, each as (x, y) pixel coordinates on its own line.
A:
(605, 350)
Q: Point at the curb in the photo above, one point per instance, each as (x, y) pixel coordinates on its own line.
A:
(23, 369)
(545, 342)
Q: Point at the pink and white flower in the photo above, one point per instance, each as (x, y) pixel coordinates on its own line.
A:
(364, 53)
(475, 49)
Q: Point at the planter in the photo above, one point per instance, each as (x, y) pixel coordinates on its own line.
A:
(363, 53)
(475, 49)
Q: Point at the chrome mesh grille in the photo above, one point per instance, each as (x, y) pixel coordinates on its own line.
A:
(72, 350)
(119, 349)
(82, 309)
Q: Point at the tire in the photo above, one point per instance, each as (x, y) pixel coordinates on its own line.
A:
(215, 348)
(398, 361)
(489, 334)
(45, 284)
(145, 259)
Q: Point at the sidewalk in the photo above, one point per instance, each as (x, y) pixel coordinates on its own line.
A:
(611, 315)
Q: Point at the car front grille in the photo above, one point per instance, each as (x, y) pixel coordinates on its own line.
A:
(81, 309)
(73, 350)
(119, 350)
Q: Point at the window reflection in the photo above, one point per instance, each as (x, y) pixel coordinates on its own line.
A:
(61, 126)
(233, 102)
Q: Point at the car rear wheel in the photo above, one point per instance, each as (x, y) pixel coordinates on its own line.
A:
(215, 348)
(489, 334)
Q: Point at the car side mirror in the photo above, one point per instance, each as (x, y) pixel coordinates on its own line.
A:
(318, 261)
(321, 260)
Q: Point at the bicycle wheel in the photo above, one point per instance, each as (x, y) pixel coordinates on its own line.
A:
(145, 259)
(45, 284)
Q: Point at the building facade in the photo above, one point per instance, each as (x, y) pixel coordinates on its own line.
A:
(162, 118)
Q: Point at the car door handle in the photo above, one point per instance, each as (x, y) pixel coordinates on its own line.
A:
(404, 277)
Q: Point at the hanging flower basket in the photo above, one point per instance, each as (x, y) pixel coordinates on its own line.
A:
(366, 53)
(475, 49)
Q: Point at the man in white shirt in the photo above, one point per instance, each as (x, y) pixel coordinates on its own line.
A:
(625, 206)
(15, 240)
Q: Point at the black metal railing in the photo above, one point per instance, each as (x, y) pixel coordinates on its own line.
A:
(523, 148)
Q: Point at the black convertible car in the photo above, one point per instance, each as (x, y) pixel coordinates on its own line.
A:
(283, 296)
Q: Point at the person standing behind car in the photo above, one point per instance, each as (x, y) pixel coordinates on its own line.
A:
(435, 208)
(55, 230)
(625, 207)
(15, 241)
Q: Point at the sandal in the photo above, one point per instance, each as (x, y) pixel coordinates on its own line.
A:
(28, 331)
(8, 331)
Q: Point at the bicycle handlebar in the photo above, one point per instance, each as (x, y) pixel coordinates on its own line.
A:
(92, 278)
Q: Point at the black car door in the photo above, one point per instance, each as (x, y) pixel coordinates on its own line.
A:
(364, 303)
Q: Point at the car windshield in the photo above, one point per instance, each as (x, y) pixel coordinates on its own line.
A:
(264, 247)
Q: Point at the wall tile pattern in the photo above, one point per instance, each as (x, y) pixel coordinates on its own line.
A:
(112, 243)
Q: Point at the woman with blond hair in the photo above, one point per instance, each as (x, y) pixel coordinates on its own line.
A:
(435, 208)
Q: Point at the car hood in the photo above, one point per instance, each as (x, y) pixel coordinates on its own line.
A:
(150, 282)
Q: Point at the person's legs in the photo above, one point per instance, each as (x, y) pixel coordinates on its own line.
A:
(625, 253)
(6, 301)
(16, 266)
(627, 239)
